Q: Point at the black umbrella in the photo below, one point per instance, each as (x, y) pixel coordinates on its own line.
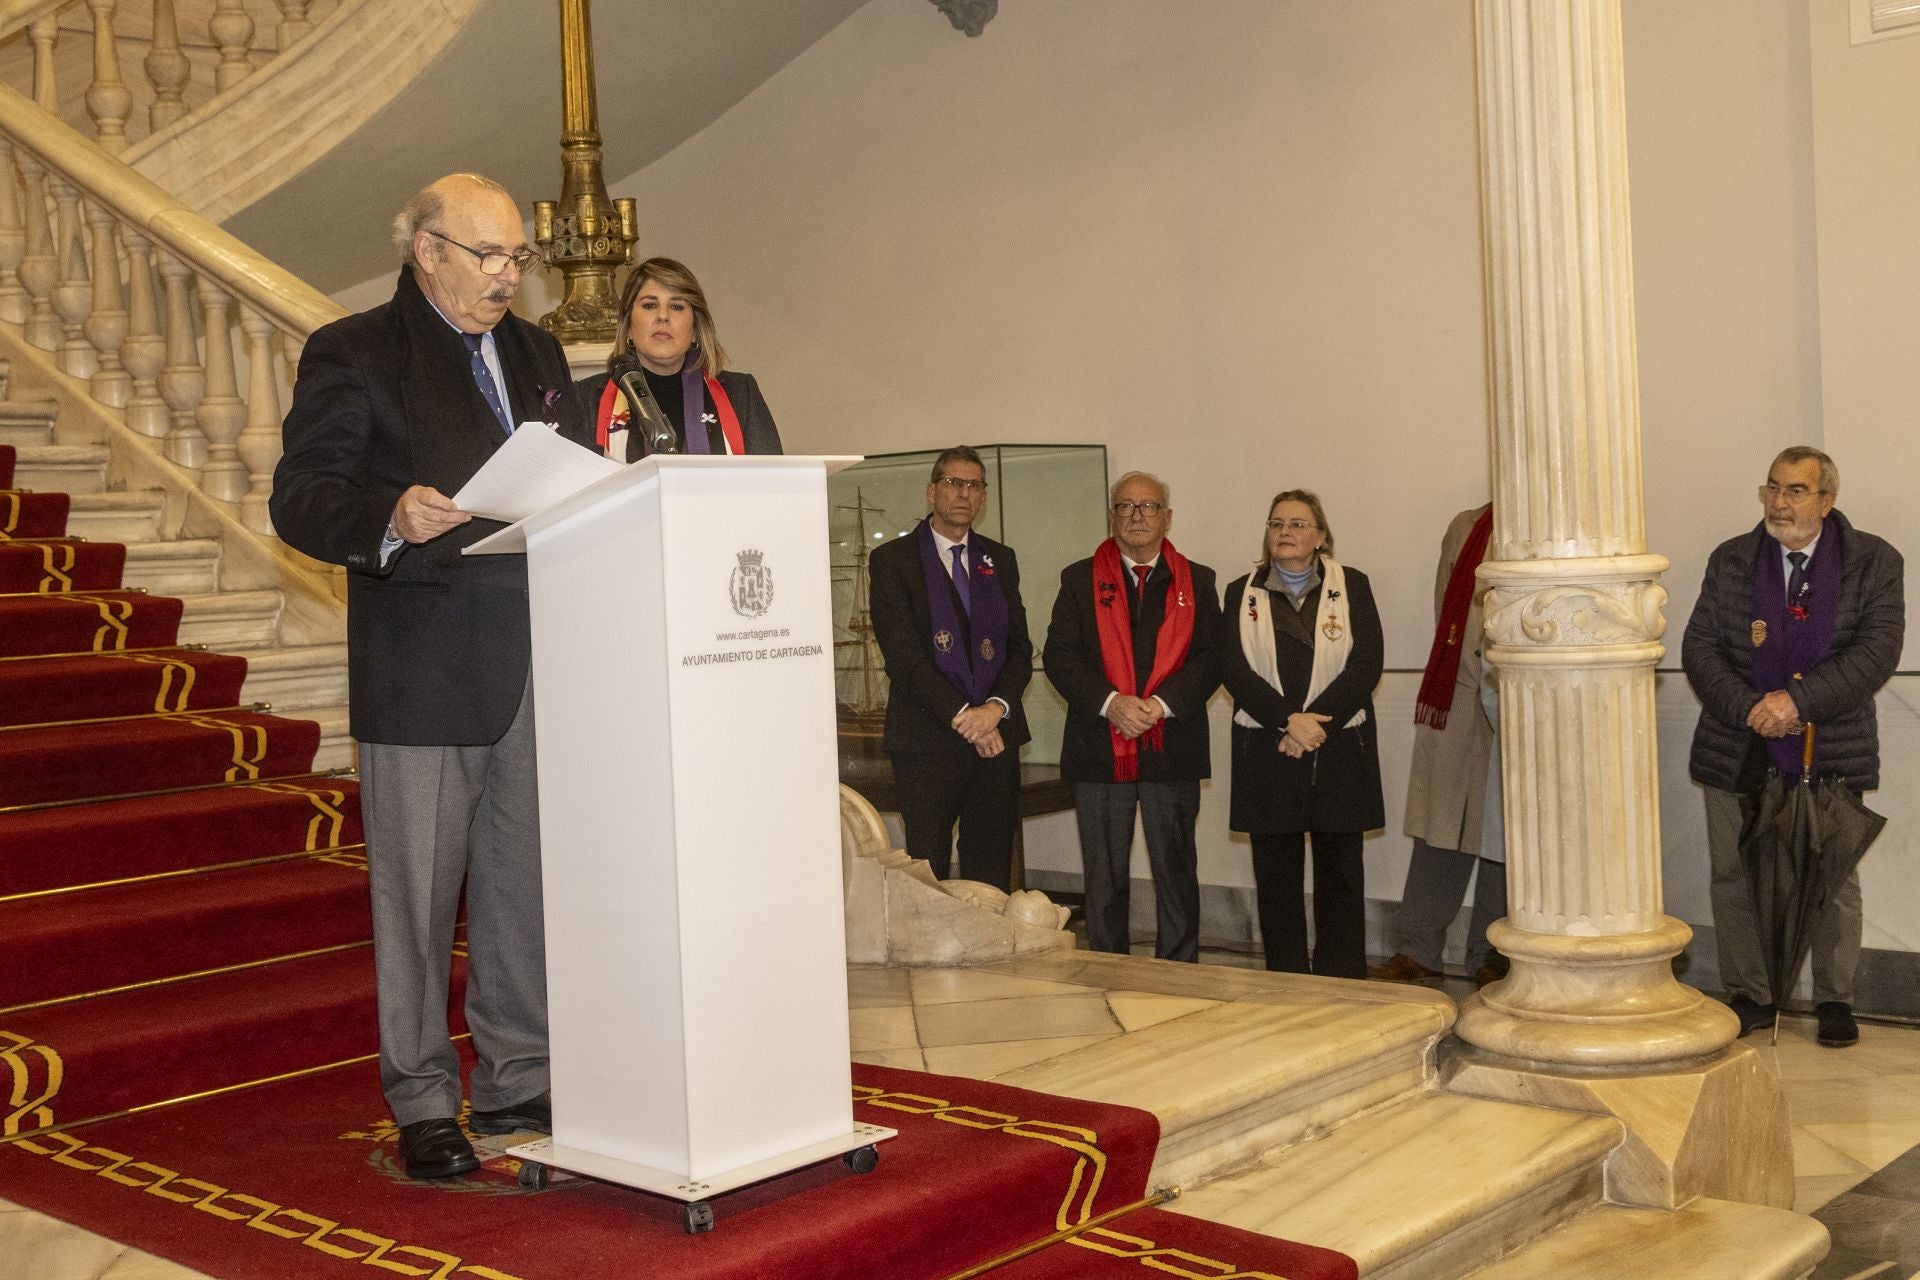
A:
(1803, 840)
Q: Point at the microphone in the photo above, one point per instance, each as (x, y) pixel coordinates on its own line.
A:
(633, 384)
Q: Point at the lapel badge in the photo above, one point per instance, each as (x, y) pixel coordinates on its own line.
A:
(986, 650)
(1331, 628)
(1759, 632)
(943, 641)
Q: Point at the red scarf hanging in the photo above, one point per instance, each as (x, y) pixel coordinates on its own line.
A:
(1443, 662)
(729, 420)
(1112, 585)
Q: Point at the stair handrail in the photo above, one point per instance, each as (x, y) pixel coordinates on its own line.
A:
(160, 351)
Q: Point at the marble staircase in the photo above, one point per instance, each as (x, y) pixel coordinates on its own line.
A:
(1313, 1109)
(309, 680)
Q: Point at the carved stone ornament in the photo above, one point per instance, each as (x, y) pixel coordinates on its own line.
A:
(970, 16)
(1623, 613)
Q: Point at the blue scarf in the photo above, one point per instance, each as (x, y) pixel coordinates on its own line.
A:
(969, 667)
(1785, 645)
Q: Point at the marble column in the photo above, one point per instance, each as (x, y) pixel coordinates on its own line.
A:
(1591, 1015)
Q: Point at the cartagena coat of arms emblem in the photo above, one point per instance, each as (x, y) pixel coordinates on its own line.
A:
(751, 586)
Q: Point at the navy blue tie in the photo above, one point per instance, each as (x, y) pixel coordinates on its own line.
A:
(960, 582)
(1796, 580)
(483, 378)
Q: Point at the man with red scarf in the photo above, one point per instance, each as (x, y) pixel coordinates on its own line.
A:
(1133, 648)
(1799, 621)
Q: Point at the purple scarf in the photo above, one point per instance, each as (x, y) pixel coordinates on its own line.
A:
(693, 406)
(970, 669)
(1786, 645)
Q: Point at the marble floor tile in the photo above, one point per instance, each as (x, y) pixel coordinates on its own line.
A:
(947, 986)
(909, 1059)
(1813, 1157)
(986, 1061)
(1855, 1101)
(869, 985)
(1029, 1018)
(1811, 1193)
(890, 1027)
(1158, 977)
(1136, 1010)
(1873, 1145)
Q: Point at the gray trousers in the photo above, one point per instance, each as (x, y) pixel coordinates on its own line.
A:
(1168, 811)
(1436, 881)
(1743, 964)
(435, 817)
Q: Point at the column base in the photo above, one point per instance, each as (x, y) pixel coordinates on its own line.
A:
(1604, 1001)
(1715, 1128)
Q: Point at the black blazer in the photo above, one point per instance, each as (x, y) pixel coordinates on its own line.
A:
(1072, 662)
(921, 703)
(438, 643)
(757, 431)
(1336, 788)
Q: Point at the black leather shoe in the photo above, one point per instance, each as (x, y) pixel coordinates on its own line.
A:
(535, 1115)
(436, 1149)
(1837, 1027)
(1751, 1012)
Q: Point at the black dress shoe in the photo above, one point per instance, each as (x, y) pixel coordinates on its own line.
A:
(436, 1149)
(1837, 1027)
(535, 1115)
(1751, 1012)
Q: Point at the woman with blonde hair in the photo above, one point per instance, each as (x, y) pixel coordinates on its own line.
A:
(1306, 760)
(666, 329)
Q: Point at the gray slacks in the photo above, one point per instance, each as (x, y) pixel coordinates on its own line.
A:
(1168, 811)
(1736, 934)
(435, 817)
(1436, 881)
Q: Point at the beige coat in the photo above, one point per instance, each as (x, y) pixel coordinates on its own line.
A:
(1447, 789)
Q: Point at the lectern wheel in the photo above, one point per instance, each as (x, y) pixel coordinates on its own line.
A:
(699, 1217)
(533, 1175)
(863, 1159)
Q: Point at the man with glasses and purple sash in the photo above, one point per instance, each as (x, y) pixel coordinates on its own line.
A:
(946, 609)
(1799, 622)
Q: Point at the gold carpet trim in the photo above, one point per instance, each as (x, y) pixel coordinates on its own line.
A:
(85, 653)
(77, 801)
(345, 855)
(150, 983)
(176, 679)
(11, 520)
(29, 1104)
(55, 569)
(323, 830)
(186, 717)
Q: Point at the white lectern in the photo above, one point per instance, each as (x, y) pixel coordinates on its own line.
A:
(689, 824)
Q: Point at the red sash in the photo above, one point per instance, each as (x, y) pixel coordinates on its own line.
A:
(1443, 661)
(729, 420)
(1114, 618)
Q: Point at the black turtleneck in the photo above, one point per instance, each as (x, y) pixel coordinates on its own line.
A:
(666, 393)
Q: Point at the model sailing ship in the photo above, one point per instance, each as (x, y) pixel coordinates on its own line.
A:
(860, 678)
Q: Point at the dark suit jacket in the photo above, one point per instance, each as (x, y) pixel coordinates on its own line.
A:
(438, 645)
(921, 703)
(1336, 788)
(1073, 663)
(757, 431)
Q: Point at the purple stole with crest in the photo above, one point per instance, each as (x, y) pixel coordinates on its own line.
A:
(1791, 637)
(970, 668)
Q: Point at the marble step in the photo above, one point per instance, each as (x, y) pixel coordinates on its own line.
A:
(336, 743)
(1268, 1059)
(1705, 1240)
(1431, 1185)
(117, 517)
(297, 678)
(61, 468)
(26, 423)
(247, 619)
(183, 566)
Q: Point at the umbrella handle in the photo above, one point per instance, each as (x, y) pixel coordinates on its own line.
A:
(1806, 755)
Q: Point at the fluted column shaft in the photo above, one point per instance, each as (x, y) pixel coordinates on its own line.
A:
(1574, 609)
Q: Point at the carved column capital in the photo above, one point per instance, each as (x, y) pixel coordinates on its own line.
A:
(970, 16)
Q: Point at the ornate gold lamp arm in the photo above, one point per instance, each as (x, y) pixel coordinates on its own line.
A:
(584, 234)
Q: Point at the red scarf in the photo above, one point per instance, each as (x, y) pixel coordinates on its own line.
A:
(729, 421)
(1443, 662)
(1112, 586)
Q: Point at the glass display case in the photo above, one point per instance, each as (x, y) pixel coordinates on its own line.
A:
(1047, 502)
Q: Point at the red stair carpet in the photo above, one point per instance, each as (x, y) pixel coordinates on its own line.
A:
(32, 515)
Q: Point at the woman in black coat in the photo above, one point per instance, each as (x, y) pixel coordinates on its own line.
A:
(1306, 757)
(666, 328)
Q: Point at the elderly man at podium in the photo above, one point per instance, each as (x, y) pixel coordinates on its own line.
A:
(395, 408)
(946, 611)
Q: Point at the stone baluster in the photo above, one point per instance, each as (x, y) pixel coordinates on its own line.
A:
(106, 326)
(293, 22)
(145, 351)
(108, 100)
(231, 27)
(44, 33)
(14, 303)
(73, 292)
(221, 413)
(167, 69)
(1573, 614)
(182, 381)
(39, 268)
(259, 445)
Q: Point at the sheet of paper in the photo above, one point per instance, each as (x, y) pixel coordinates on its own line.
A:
(534, 469)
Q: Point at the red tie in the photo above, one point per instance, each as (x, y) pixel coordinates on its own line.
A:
(1140, 574)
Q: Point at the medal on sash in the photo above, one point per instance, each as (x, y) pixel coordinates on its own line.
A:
(943, 641)
(986, 650)
(1759, 632)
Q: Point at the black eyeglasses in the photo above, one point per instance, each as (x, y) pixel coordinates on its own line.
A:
(1123, 508)
(494, 261)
